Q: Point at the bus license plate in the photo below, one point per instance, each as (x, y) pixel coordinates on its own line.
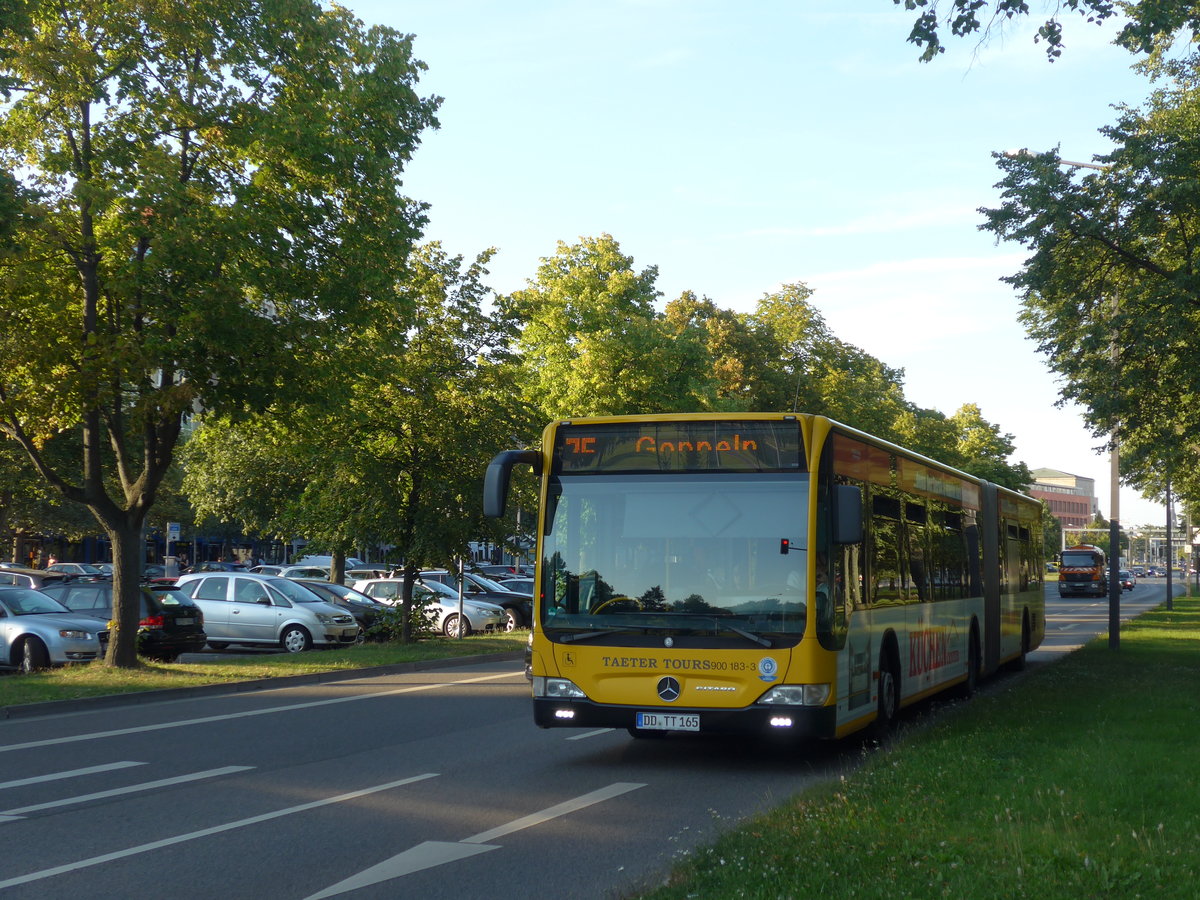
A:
(655, 721)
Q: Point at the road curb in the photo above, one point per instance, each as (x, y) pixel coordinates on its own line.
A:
(134, 698)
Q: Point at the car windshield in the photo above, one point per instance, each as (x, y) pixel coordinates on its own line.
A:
(443, 589)
(172, 597)
(347, 593)
(295, 591)
(487, 584)
(23, 602)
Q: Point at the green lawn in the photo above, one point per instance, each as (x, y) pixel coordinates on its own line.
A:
(94, 680)
(1074, 780)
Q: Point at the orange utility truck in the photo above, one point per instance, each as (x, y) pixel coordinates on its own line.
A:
(1082, 572)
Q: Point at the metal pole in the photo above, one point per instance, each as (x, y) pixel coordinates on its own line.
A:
(1170, 557)
(1170, 603)
(1114, 558)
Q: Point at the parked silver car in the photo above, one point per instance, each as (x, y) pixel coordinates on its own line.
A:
(36, 632)
(479, 616)
(240, 608)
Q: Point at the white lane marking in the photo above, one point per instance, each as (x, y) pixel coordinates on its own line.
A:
(434, 853)
(72, 773)
(553, 812)
(129, 789)
(588, 734)
(205, 832)
(422, 856)
(117, 732)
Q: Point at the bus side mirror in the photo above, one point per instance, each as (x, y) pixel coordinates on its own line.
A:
(847, 514)
(499, 473)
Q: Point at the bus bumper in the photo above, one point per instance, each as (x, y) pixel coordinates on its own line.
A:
(800, 721)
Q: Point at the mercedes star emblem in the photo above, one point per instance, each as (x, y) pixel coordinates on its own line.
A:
(668, 689)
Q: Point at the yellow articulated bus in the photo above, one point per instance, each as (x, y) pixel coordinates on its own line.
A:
(764, 573)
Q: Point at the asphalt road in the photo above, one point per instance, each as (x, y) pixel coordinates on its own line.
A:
(430, 784)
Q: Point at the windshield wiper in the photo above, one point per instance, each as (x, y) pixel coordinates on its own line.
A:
(589, 635)
(748, 635)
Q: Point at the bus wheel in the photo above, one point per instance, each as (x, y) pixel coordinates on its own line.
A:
(889, 696)
(1017, 664)
(966, 690)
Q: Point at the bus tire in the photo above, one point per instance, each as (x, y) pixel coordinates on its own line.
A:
(966, 690)
(1017, 663)
(889, 692)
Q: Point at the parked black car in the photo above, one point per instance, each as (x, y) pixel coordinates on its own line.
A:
(518, 607)
(19, 576)
(366, 610)
(171, 623)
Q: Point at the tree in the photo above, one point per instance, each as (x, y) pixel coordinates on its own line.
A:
(592, 343)
(1114, 265)
(400, 461)
(984, 451)
(1149, 24)
(207, 197)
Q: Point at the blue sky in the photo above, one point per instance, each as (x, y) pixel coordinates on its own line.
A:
(739, 147)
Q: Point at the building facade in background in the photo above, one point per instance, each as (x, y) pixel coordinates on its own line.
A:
(1071, 498)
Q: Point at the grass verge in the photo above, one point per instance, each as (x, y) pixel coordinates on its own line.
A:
(73, 682)
(1078, 781)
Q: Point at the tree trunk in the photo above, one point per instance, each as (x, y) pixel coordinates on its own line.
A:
(406, 593)
(337, 566)
(127, 547)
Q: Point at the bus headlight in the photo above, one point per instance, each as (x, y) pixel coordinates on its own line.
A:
(797, 695)
(556, 689)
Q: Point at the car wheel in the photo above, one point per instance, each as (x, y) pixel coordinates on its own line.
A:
(218, 645)
(361, 636)
(295, 639)
(512, 620)
(34, 656)
(451, 626)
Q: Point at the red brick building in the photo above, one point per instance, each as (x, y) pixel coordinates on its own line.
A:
(1071, 498)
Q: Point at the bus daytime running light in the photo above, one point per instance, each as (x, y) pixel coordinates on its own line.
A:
(557, 689)
(781, 721)
(564, 714)
(797, 695)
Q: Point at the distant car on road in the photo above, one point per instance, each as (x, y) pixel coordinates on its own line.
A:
(1128, 580)
(37, 632)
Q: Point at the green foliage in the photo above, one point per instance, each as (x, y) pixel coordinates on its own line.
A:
(400, 460)
(1062, 785)
(1150, 24)
(390, 625)
(206, 199)
(1113, 264)
(591, 342)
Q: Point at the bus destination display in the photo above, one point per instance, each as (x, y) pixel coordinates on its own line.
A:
(680, 447)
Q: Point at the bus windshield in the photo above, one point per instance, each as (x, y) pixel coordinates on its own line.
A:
(699, 552)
